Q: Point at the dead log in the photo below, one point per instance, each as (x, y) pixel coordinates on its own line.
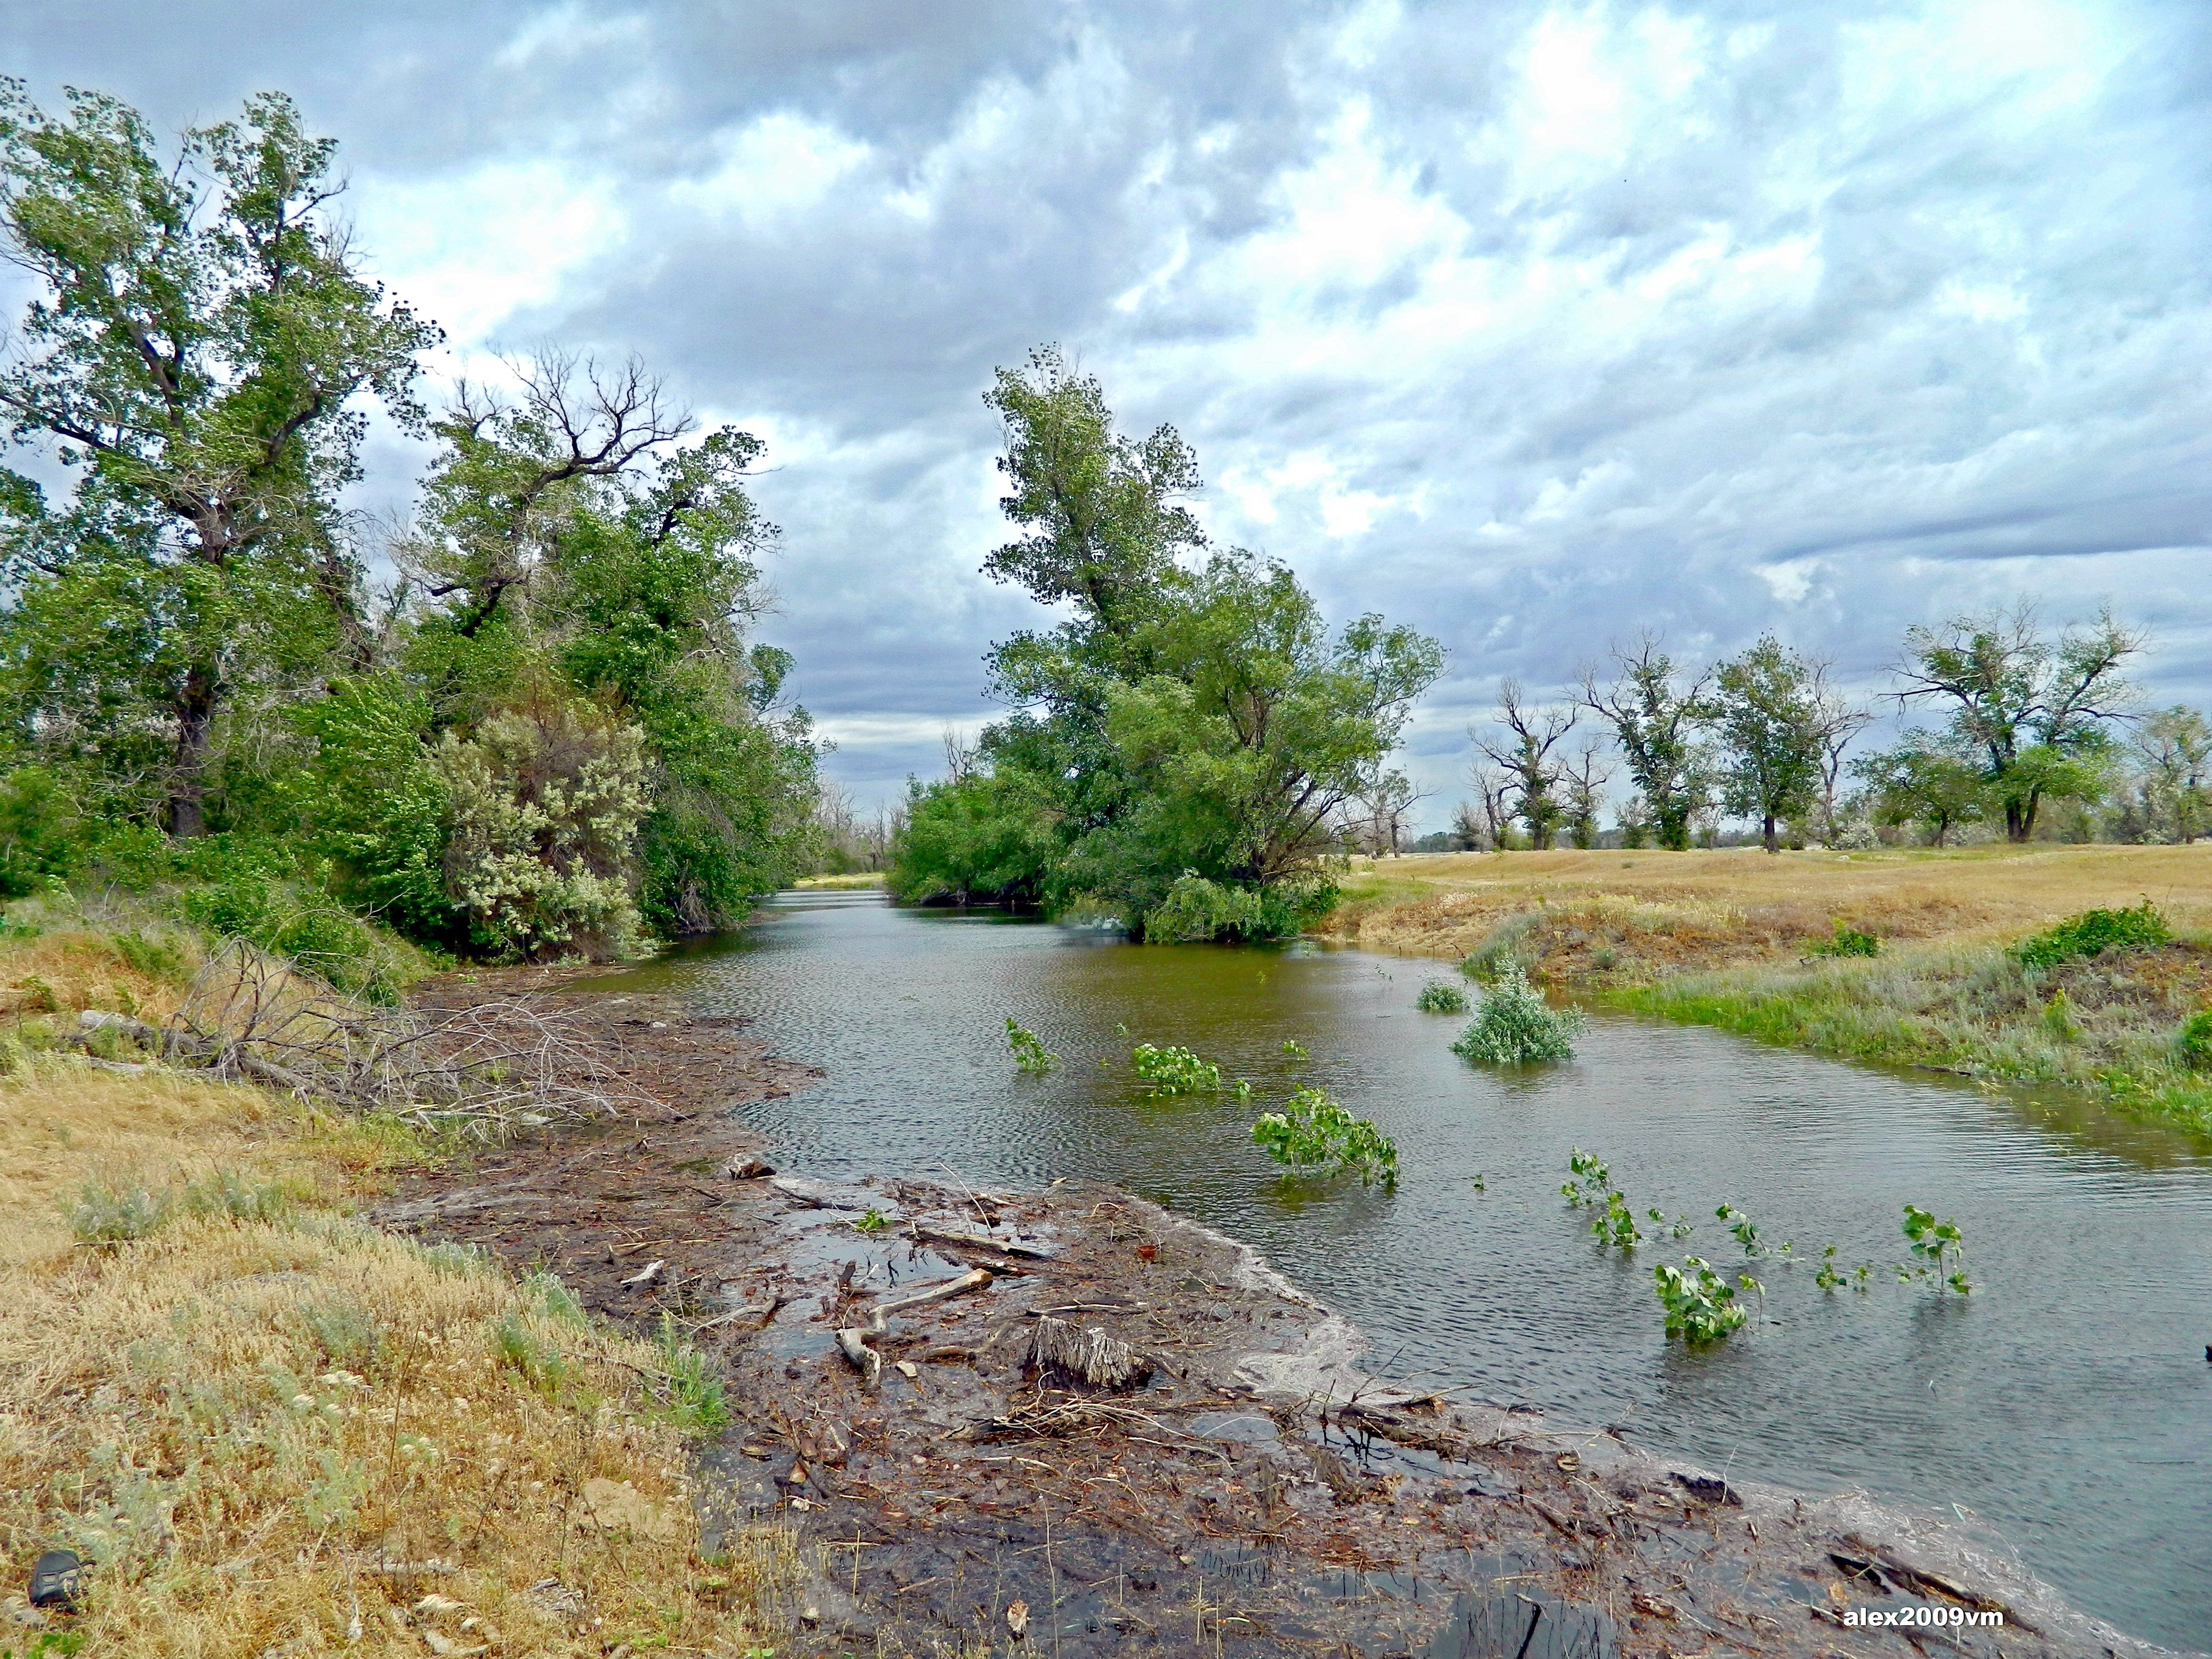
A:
(969, 1238)
(974, 1279)
(1062, 1349)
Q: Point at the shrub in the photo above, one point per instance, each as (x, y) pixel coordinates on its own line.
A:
(1848, 941)
(1515, 1028)
(546, 806)
(2092, 934)
(240, 898)
(1501, 950)
(1175, 1071)
(1198, 911)
(1313, 1133)
(1441, 997)
(38, 824)
(156, 959)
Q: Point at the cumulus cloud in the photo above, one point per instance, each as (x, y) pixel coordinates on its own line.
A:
(1537, 325)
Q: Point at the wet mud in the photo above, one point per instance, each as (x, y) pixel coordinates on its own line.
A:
(1229, 1478)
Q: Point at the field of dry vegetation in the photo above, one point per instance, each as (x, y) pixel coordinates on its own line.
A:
(275, 1428)
(1734, 938)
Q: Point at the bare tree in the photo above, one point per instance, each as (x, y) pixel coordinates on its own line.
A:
(1526, 755)
(1378, 821)
(1495, 791)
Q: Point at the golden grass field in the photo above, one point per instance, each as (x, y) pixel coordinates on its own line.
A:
(277, 1430)
(1661, 914)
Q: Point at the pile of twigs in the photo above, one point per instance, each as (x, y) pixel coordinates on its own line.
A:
(487, 1070)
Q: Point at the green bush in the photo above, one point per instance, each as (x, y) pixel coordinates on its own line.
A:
(1029, 1052)
(2193, 1042)
(1441, 997)
(1174, 1071)
(1198, 911)
(1515, 1028)
(1848, 941)
(1313, 1133)
(1701, 1306)
(290, 917)
(38, 826)
(2092, 934)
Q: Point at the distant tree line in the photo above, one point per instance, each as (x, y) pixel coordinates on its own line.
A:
(2019, 717)
(527, 721)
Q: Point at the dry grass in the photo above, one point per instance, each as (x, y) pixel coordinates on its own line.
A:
(1632, 917)
(276, 1429)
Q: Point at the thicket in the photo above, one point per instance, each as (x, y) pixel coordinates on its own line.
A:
(527, 723)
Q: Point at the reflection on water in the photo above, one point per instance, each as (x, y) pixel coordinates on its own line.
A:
(2068, 1402)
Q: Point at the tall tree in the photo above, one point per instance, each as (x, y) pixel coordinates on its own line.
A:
(2035, 708)
(199, 358)
(1527, 751)
(1656, 717)
(1930, 779)
(1777, 719)
(1584, 779)
(2174, 749)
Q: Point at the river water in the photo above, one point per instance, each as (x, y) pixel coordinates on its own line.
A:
(2067, 1404)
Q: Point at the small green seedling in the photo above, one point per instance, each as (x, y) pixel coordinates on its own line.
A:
(1941, 1248)
(874, 1221)
(1616, 1226)
(1295, 1049)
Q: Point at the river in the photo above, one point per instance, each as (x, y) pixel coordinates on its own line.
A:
(2066, 1407)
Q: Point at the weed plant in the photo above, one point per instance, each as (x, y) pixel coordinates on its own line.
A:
(1940, 1249)
(1313, 1134)
(1847, 941)
(1515, 1027)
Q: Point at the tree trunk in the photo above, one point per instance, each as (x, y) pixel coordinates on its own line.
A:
(195, 722)
(1768, 838)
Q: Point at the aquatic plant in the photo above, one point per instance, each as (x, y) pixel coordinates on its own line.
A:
(1295, 1049)
(1616, 1225)
(1174, 1071)
(1745, 1229)
(1680, 1227)
(1515, 1028)
(1848, 941)
(1031, 1054)
(1939, 1245)
(1592, 1181)
(1441, 997)
(873, 1222)
(1701, 1306)
(1313, 1133)
(2092, 934)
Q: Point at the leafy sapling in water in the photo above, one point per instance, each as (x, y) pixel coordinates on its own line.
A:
(1313, 1134)
(1701, 1306)
(1292, 1048)
(1441, 997)
(1174, 1071)
(1746, 1234)
(1592, 1181)
(1939, 1248)
(1678, 1228)
(1031, 1054)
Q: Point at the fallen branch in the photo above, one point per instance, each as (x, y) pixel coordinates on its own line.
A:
(976, 1241)
(865, 1360)
(974, 1279)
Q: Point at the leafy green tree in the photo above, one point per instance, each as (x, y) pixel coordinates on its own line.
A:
(1657, 719)
(1774, 716)
(198, 358)
(565, 541)
(2036, 709)
(1191, 726)
(1927, 780)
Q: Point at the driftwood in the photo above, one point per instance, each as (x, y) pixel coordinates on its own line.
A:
(512, 1063)
(974, 1279)
(865, 1360)
(969, 1238)
(1060, 1349)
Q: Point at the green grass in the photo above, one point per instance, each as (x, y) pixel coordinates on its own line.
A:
(1978, 1012)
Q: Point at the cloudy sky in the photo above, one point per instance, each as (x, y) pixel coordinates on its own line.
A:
(1534, 326)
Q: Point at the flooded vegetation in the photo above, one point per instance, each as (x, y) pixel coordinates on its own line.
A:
(2058, 1410)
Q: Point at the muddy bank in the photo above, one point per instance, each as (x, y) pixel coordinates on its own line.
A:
(1230, 1478)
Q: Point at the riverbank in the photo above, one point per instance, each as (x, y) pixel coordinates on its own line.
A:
(582, 1391)
(1736, 939)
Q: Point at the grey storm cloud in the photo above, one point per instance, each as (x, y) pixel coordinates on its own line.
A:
(1535, 326)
